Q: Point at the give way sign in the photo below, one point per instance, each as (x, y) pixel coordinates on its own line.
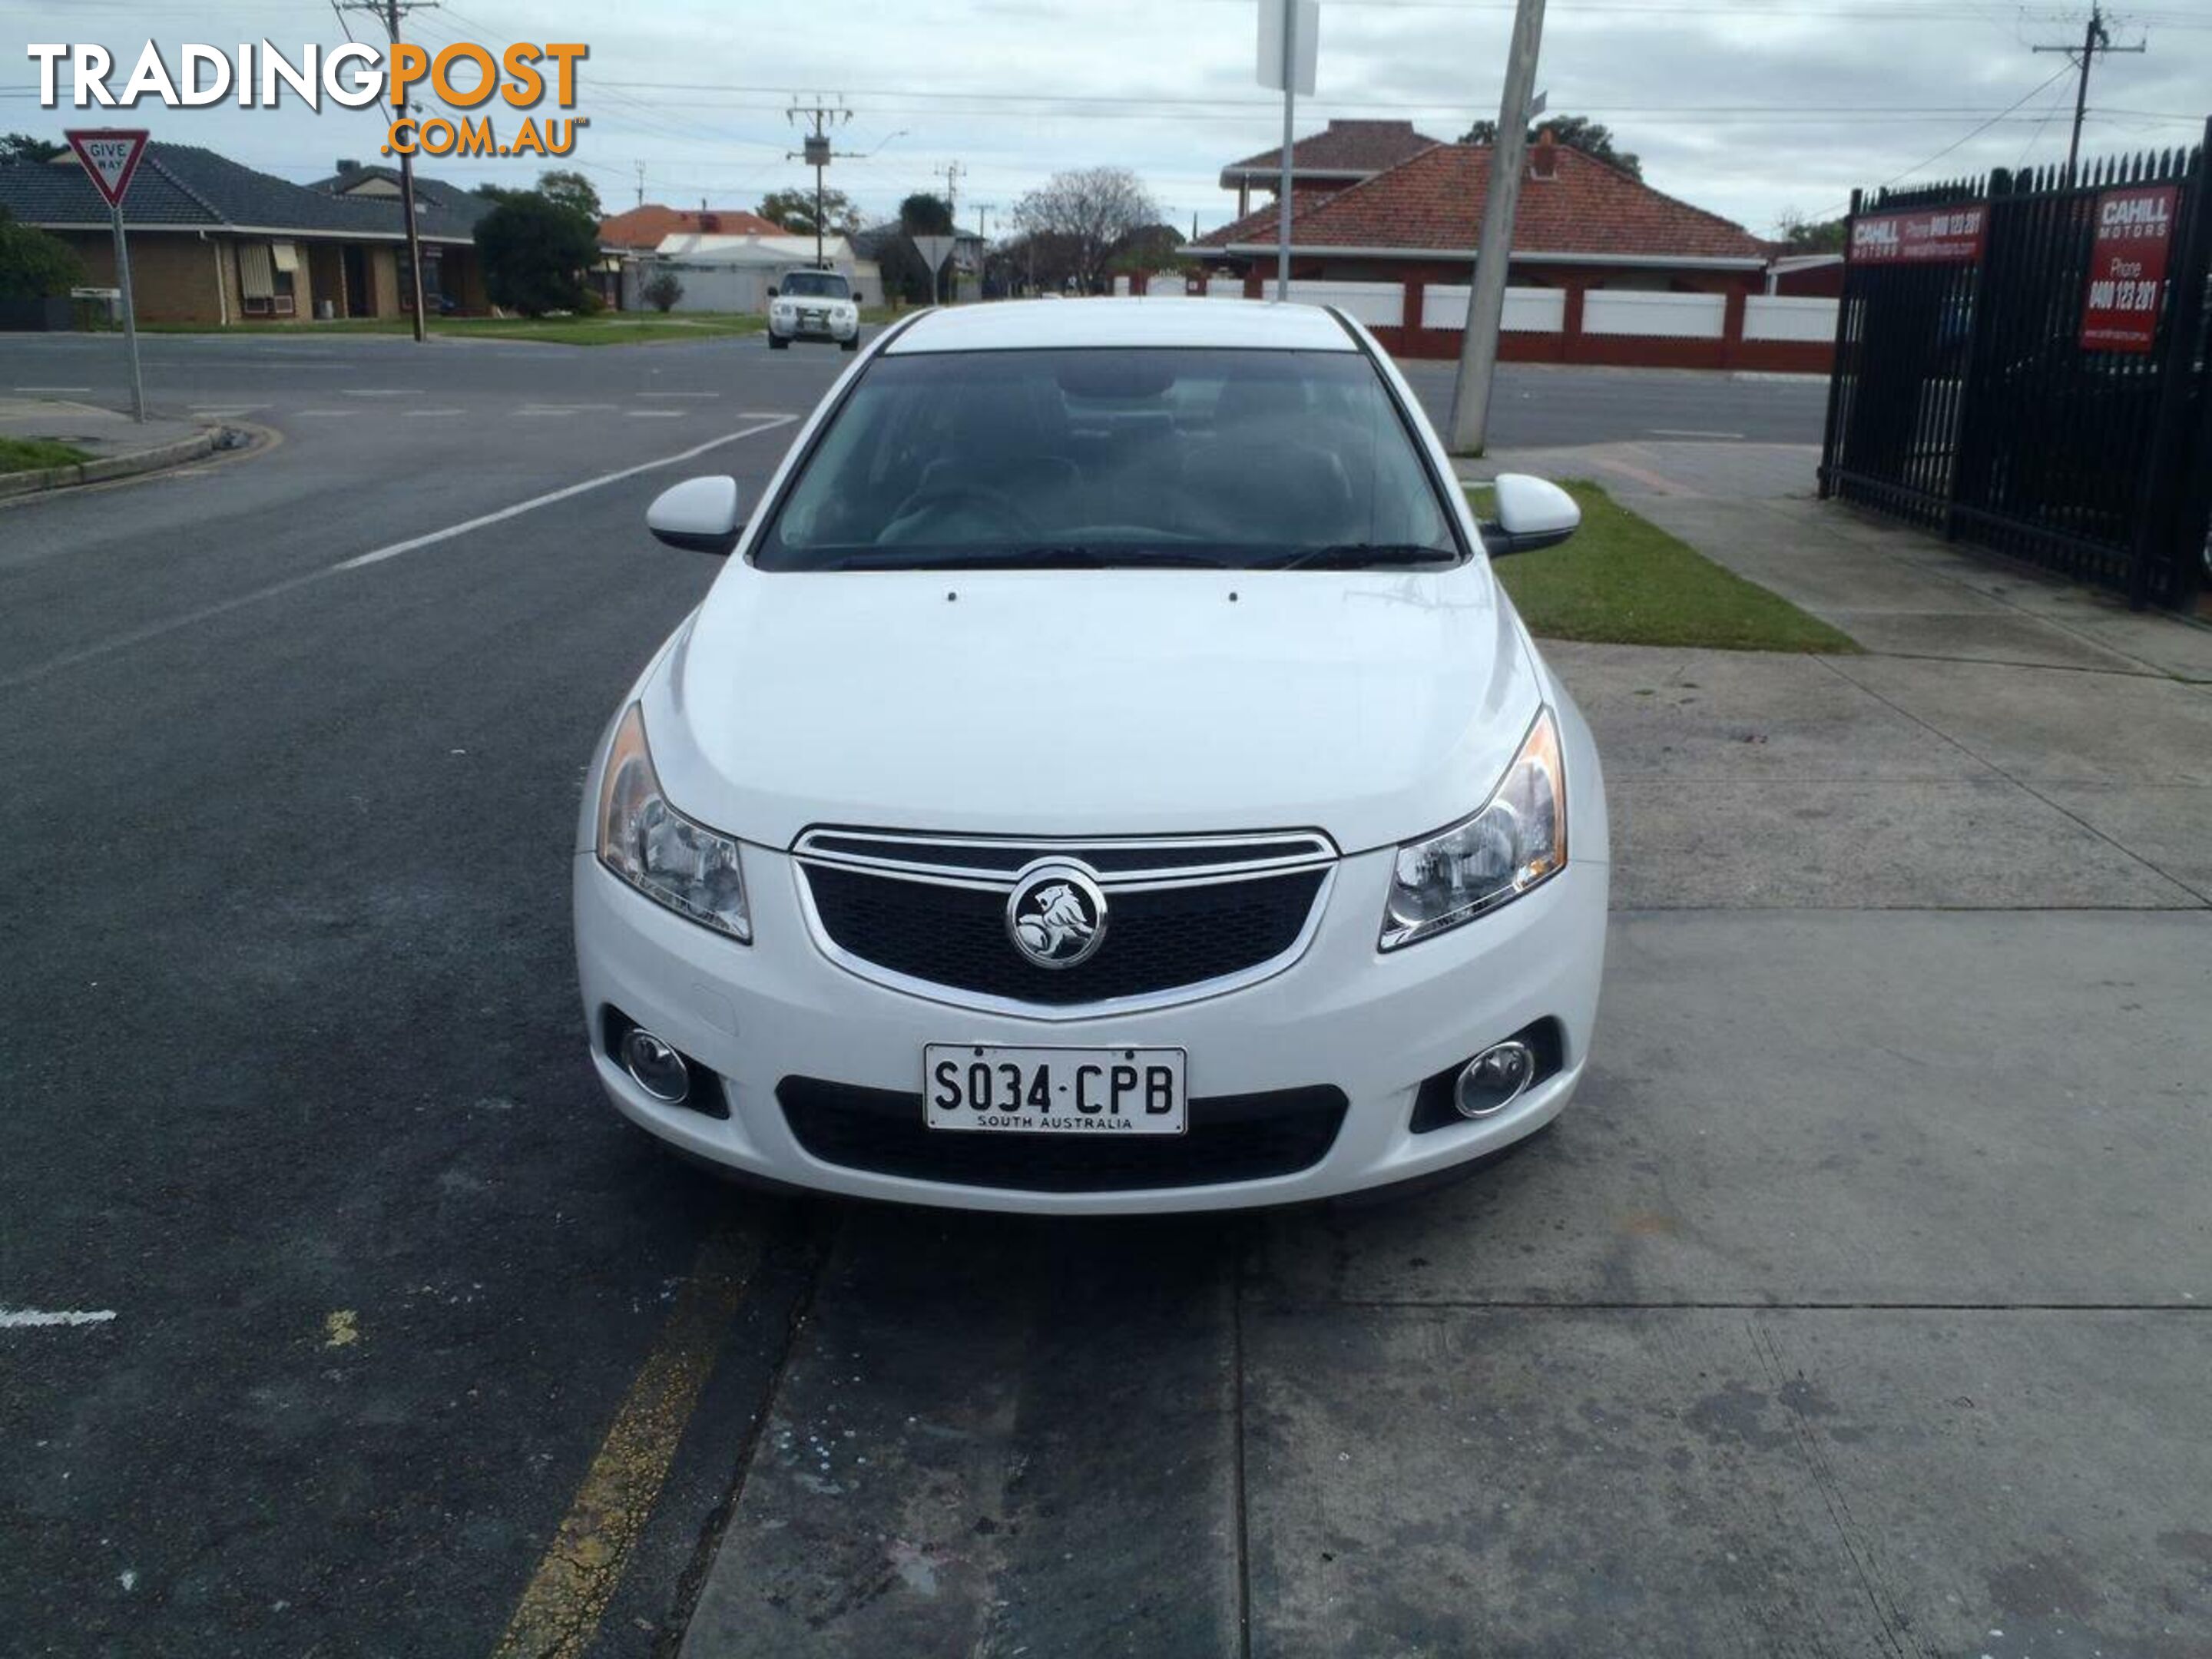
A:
(110, 155)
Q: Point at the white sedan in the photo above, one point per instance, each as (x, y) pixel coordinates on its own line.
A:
(1106, 776)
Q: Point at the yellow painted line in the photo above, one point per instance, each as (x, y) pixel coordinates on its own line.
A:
(568, 1595)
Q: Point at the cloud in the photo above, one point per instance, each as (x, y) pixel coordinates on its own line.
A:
(1746, 111)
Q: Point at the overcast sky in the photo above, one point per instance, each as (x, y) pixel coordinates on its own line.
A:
(1749, 109)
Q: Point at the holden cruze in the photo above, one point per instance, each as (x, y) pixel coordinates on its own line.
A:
(1105, 776)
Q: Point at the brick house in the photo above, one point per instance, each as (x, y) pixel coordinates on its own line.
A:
(214, 242)
(1604, 269)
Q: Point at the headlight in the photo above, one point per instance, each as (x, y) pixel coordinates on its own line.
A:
(656, 849)
(1518, 840)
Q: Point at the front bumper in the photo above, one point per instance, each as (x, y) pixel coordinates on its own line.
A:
(837, 329)
(1343, 1015)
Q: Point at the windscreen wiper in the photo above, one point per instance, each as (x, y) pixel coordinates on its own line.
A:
(1360, 555)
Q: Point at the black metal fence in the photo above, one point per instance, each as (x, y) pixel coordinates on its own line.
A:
(2011, 368)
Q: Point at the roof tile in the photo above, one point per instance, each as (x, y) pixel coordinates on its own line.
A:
(1435, 201)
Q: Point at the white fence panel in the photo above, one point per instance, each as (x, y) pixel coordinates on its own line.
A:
(1528, 310)
(1789, 317)
(1378, 305)
(1121, 286)
(1224, 287)
(1669, 316)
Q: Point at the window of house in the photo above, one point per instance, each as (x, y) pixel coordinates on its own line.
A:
(267, 278)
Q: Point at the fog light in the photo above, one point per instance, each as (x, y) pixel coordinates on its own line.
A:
(1493, 1079)
(659, 1069)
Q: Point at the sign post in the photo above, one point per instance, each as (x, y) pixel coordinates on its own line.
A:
(1290, 47)
(934, 250)
(111, 156)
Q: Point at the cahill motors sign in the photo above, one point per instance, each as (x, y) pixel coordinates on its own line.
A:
(2127, 267)
(1946, 235)
(463, 76)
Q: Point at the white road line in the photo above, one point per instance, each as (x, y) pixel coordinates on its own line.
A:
(561, 409)
(539, 414)
(536, 501)
(1681, 432)
(53, 388)
(206, 613)
(422, 414)
(656, 413)
(20, 1319)
(679, 394)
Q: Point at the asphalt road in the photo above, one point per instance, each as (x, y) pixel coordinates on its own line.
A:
(406, 1328)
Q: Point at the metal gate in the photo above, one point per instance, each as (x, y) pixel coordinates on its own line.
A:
(2022, 361)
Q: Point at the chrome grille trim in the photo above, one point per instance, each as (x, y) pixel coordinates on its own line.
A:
(914, 857)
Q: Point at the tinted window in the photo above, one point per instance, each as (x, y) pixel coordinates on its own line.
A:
(815, 285)
(1113, 457)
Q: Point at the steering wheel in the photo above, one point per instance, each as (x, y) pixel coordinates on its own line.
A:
(934, 499)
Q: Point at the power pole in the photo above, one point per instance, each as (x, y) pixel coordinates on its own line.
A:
(640, 184)
(2095, 38)
(1485, 305)
(953, 172)
(816, 152)
(389, 14)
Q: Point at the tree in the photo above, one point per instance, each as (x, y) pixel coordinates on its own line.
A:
(1085, 216)
(497, 192)
(664, 291)
(793, 209)
(1593, 139)
(572, 190)
(32, 265)
(924, 214)
(534, 251)
(1804, 235)
(21, 146)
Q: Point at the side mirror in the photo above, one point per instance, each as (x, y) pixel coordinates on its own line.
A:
(698, 515)
(771, 290)
(1532, 513)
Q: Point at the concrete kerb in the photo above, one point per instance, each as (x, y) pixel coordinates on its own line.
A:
(112, 466)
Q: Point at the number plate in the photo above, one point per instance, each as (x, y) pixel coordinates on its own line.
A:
(1076, 1092)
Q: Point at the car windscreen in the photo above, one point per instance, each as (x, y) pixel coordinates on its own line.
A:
(814, 285)
(1121, 458)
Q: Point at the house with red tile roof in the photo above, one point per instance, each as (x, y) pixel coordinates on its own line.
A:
(1339, 156)
(646, 228)
(1577, 214)
(1604, 267)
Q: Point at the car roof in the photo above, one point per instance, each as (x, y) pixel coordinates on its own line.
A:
(1033, 325)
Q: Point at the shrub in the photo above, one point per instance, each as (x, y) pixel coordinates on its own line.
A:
(664, 291)
(34, 265)
(534, 253)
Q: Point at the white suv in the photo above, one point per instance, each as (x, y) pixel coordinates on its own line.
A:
(813, 305)
(1106, 776)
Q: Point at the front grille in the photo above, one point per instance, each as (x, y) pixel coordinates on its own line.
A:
(1158, 939)
(1230, 1137)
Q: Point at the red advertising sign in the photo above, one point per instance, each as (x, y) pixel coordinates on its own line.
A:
(2127, 267)
(1945, 236)
(110, 155)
